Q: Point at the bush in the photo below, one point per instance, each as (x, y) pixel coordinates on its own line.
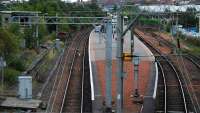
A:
(167, 27)
(18, 64)
(194, 41)
(147, 21)
(10, 76)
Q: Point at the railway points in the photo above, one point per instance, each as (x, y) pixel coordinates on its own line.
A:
(190, 100)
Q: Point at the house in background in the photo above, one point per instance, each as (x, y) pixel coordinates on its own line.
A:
(22, 17)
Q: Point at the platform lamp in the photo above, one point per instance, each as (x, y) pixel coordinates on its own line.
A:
(136, 61)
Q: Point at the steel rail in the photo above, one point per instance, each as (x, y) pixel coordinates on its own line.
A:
(188, 56)
(174, 69)
(165, 89)
(61, 67)
(181, 85)
(54, 83)
(65, 64)
(83, 78)
(179, 82)
(195, 60)
(193, 95)
(68, 81)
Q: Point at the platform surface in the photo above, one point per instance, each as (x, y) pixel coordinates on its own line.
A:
(12, 102)
(97, 58)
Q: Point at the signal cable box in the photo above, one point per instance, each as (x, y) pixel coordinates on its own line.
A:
(25, 87)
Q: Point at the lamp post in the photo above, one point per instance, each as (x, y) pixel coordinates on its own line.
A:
(136, 61)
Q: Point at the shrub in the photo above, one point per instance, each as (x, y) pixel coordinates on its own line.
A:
(18, 64)
(10, 76)
(194, 41)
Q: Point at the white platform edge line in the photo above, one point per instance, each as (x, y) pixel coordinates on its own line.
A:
(156, 81)
(90, 65)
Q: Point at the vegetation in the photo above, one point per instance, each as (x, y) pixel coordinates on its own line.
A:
(131, 11)
(53, 8)
(8, 44)
(193, 45)
(193, 41)
(189, 20)
(147, 21)
(11, 76)
(18, 54)
(167, 27)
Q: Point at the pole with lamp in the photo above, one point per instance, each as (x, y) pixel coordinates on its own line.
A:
(136, 62)
(136, 95)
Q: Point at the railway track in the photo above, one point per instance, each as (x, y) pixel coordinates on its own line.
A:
(74, 92)
(186, 77)
(33, 70)
(60, 75)
(162, 40)
(173, 93)
(67, 89)
(194, 59)
(171, 97)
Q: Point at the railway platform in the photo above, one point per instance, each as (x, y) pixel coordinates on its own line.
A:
(148, 75)
(30, 104)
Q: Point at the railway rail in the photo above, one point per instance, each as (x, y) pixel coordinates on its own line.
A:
(174, 96)
(194, 59)
(74, 92)
(186, 77)
(67, 89)
(171, 89)
(162, 40)
(36, 66)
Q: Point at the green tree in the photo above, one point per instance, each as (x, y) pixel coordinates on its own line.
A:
(189, 19)
(30, 39)
(43, 31)
(8, 44)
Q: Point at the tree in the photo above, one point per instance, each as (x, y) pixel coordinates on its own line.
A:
(8, 44)
(30, 39)
(188, 19)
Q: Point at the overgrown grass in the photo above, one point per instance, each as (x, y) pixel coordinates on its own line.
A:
(193, 41)
(193, 44)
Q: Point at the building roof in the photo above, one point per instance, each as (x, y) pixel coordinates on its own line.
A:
(25, 77)
(172, 8)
